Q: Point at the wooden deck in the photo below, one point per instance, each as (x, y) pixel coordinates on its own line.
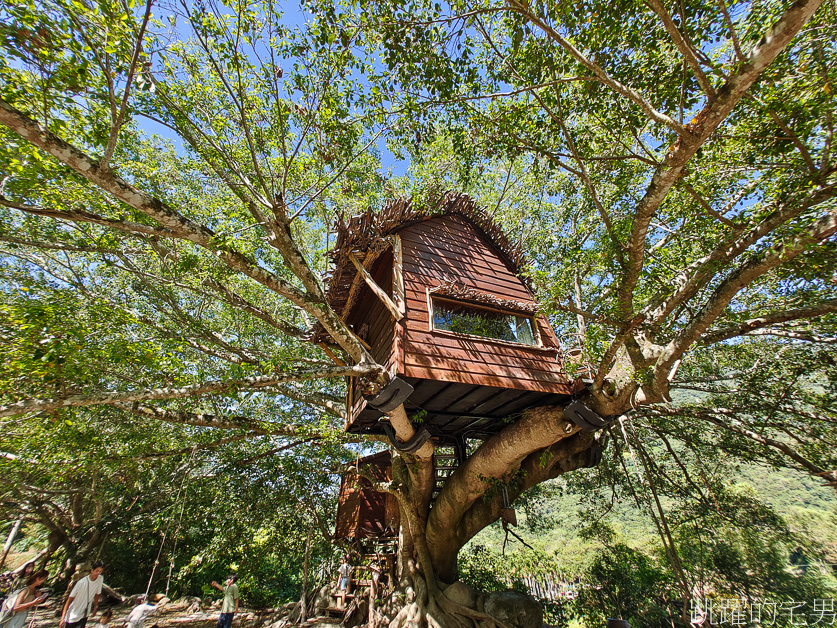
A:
(456, 409)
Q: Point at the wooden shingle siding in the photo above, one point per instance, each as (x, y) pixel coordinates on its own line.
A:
(448, 249)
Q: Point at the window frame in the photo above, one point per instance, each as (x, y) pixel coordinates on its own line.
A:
(532, 318)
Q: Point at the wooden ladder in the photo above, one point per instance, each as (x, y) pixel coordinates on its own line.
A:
(444, 464)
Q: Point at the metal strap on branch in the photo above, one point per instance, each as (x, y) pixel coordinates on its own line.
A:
(585, 418)
(396, 392)
(411, 446)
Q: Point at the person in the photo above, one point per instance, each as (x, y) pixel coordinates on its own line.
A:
(229, 607)
(81, 570)
(17, 606)
(23, 577)
(105, 618)
(344, 573)
(83, 601)
(140, 612)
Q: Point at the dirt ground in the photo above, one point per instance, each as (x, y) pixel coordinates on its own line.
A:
(174, 614)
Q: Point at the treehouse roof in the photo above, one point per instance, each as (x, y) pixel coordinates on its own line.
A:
(369, 233)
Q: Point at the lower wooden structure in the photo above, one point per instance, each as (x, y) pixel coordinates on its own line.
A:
(362, 511)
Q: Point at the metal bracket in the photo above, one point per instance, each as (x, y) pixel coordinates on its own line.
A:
(594, 456)
(585, 418)
(411, 446)
(396, 392)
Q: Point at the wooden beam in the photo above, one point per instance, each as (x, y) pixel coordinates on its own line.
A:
(331, 354)
(376, 289)
(398, 275)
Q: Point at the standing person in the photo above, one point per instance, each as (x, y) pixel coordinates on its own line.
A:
(140, 612)
(81, 570)
(83, 601)
(15, 611)
(344, 573)
(229, 606)
(23, 577)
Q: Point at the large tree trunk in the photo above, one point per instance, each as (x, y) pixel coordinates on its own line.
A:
(540, 445)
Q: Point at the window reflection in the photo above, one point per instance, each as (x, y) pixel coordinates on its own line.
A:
(476, 321)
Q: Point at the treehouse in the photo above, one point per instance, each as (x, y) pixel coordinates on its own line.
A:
(437, 295)
(362, 511)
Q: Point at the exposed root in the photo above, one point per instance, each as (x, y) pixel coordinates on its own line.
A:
(432, 609)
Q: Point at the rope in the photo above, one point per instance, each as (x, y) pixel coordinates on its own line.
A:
(186, 476)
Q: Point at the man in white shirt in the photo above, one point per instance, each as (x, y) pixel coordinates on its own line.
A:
(84, 599)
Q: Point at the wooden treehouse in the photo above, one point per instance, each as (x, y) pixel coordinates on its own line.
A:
(437, 295)
(368, 521)
(362, 511)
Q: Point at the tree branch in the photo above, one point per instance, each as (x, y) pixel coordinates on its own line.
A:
(682, 46)
(699, 130)
(734, 425)
(806, 156)
(116, 122)
(739, 279)
(207, 387)
(79, 215)
(498, 456)
(522, 8)
(313, 301)
(732, 34)
(188, 450)
(699, 273)
(260, 428)
(772, 318)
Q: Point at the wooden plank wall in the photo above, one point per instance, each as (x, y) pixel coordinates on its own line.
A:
(446, 249)
(361, 510)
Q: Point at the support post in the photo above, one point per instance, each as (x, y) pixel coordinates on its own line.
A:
(398, 275)
(376, 289)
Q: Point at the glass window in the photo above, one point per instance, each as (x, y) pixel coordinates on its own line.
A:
(476, 321)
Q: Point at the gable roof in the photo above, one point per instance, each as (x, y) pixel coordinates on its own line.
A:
(368, 234)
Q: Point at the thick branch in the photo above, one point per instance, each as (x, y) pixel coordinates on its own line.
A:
(773, 318)
(699, 130)
(499, 456)
(184, 228)
(564, 456)
(794, 335)
(739, 279)
(699, 273)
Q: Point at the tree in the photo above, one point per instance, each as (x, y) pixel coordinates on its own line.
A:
(653, 238)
